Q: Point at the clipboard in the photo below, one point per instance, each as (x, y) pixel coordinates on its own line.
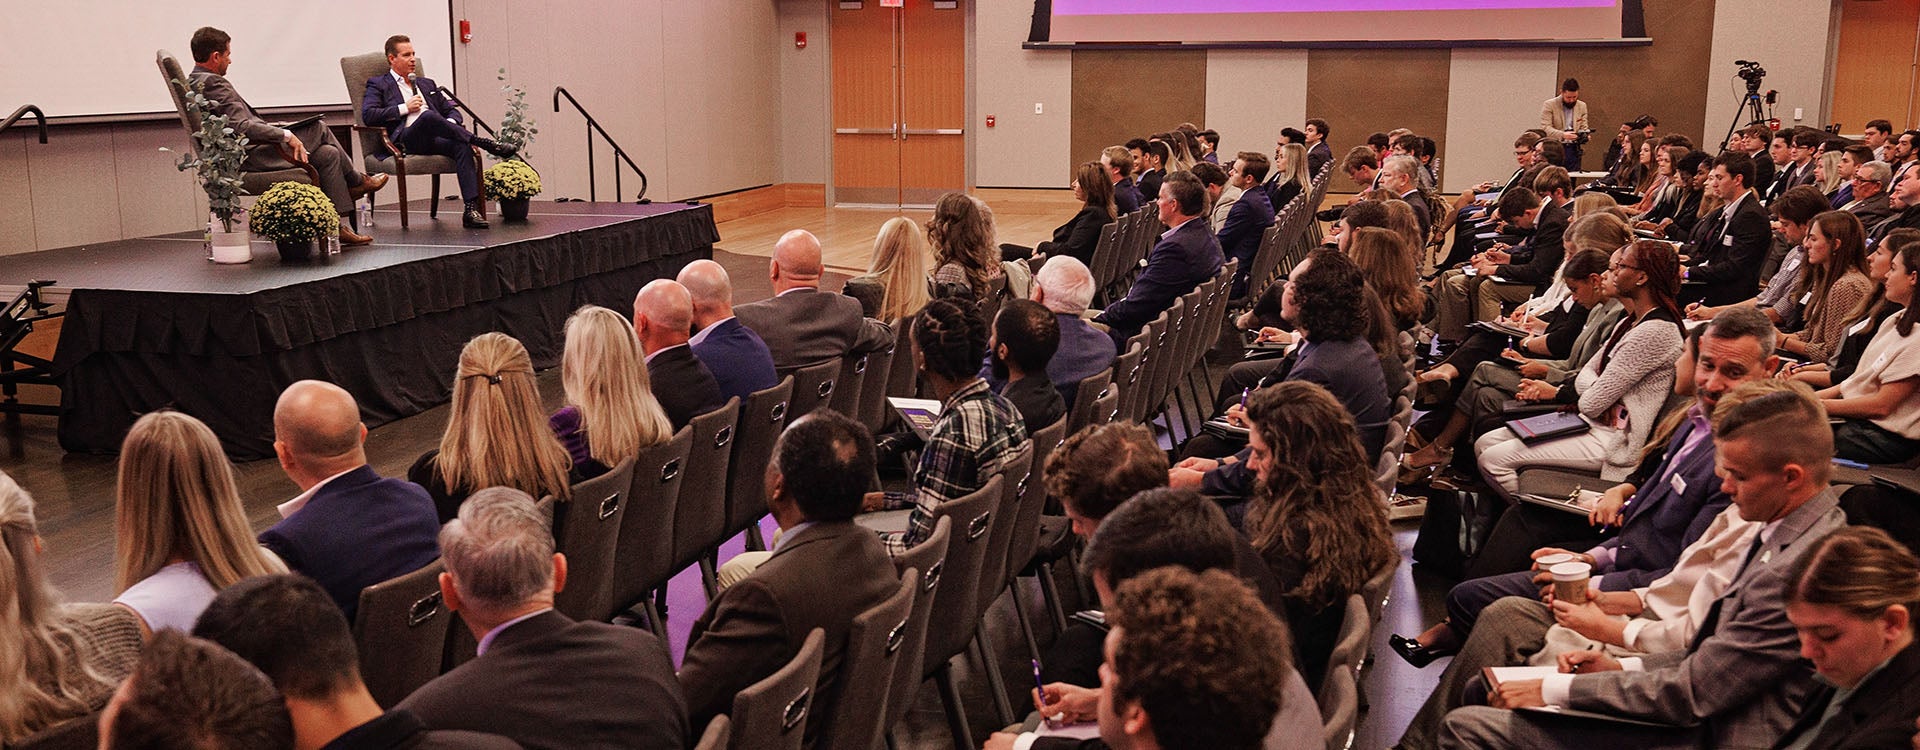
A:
(919, 414)
(300, 123)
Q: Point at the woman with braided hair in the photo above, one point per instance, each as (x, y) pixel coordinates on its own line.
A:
(976, 429)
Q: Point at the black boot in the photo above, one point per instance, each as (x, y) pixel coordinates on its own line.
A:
(472, 218)
(496, 148)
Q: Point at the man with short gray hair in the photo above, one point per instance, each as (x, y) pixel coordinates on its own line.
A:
(1870, 200)
(1401, 174)
(1065, 286)
(541, 679)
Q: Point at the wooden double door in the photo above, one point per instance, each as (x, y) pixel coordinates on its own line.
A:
(899, 102)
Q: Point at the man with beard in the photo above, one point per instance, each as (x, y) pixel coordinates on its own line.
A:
(1025, 335)
(1905, 200)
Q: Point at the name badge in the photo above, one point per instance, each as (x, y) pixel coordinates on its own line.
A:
(1879, 362)
(1679, 484)
(1726, 239)
(1806, 298)
(1792, 263)
(1855, 329)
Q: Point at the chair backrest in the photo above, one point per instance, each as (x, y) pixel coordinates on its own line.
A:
(73, 734)
(169, 72)
(929, 558)
(1126, 374)
(993, 570)
(1339, 708)
(587, 530)
(875, 643)
(700, 518)
(719, 731)
(872, 410)
(400, 629)
(1032, 498)
(354, 72)
(813, 387)
(1377, 589)
(1355, 625)
(904, 381)
(762, 418)
(643, 561)
(1080, 413)
(846, 390)
(956, 606)
(1107, 407)
(772, 714)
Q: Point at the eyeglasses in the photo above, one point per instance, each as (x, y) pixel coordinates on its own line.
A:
(1617, 266)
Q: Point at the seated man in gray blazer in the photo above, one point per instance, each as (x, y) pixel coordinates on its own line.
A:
(824, 569)
(1741, 682)
(800, 325)
(541, 679)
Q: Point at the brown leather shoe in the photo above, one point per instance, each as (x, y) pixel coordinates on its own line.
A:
(372, 183)
(349, 237)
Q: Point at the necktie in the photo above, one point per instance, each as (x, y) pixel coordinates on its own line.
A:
(1712, 621)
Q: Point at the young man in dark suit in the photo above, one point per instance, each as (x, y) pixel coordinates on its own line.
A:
(1319, 154)
(801, 325)
(1119, 165)
(1187, 254)
(1248, 219)
(421, 118)
(349, 528)
(541, 679)
(1727, 268)
(738, 359)
(685, 388)
(822, 571)
(1155, 156)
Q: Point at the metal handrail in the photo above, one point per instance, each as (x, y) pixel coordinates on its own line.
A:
(471, 115)
(593, 126)
(23, 111)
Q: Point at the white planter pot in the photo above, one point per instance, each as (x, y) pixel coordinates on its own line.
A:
(230, 247)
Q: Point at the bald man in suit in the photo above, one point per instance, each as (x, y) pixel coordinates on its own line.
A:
(801, 325)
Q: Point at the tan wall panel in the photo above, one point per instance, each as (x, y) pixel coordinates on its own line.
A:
(1359, 92)
(804, 119)
(1788, 39)
(74, 193)
(1022, 149)
(1873, 72)
(1667, 79)
(16, 194)
(1123, 94)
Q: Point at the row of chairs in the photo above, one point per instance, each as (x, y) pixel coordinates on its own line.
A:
(1123, 247)
(1293, 234)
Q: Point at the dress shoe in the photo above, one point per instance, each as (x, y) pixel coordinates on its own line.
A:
(371, 183)
(472, 219)
(350, 237)
(1417, 655)
(496, 148)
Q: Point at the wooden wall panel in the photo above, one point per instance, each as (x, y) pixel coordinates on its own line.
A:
(934, 67)
(1667, 79)
(1122, 94)
(1873, 69)
(1363, 91)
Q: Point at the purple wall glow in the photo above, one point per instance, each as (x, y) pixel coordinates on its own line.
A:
(1158, 7)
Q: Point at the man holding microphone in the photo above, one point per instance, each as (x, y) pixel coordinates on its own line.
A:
(421, 119)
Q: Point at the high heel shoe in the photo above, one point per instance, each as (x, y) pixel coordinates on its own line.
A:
(1413, 474)
(1417, 655)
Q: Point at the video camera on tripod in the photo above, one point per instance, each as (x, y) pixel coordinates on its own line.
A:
(1752, 73)
(1750, 111)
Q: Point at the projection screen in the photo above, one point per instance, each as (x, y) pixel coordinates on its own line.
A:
(1344, 21)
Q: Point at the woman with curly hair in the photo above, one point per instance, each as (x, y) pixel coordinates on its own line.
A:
(1317, 517)
(61, 662)
(496, 435)
(964, 251)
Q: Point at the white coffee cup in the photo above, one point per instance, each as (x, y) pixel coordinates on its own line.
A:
(1570, 581)
(1546, 562)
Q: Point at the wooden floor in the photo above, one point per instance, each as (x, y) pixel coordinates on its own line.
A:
(75, 492)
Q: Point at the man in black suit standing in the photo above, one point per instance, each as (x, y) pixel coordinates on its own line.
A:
(1119, 165)
(271, 147)
(1319, 154)
(662, 315)
(1727, 268)
(800, 325)
(822, 571)
(1187, 254)
(541, 679)
(420, 118)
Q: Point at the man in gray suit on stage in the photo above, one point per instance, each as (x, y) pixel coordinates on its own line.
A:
(272, 147)
(802, 325)
(1741, 682)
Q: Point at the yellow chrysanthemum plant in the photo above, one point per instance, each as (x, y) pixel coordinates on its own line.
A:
(293, 211)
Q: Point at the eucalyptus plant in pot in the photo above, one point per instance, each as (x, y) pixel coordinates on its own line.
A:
(216, 162)
(294, 215)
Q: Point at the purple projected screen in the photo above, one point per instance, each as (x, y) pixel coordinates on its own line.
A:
(1159, 7)
(1336, 21)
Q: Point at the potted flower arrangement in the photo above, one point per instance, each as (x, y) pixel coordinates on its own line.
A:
(217, 165)
(293, 215)
(513, 184)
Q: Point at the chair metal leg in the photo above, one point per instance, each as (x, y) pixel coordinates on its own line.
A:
(1051, 592)
(1020, 613)
(656, 621)
(755, 542)
(995, 682)
(433, 205)
(955, 710)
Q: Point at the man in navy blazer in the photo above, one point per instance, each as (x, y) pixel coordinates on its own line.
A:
(737, 357)
(1187, 255)
(420, 118)
(349, 528)
(1248, 220)
(1118, 162)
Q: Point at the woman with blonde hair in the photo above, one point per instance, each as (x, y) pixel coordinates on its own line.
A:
(1595, 201)
(181, 533)
(964, 251)
(895, 286)
(1293, 176)
(495, 436)
(61, 662)
(1826, 173)
(1387, 261)
(611, 414)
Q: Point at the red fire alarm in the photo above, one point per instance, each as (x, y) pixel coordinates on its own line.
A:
(989, 120)
(799, 40)
(466, 31)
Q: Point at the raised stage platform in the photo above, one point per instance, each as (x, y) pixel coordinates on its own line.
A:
(151, 323)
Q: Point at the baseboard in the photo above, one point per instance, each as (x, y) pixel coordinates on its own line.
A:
(744, 203)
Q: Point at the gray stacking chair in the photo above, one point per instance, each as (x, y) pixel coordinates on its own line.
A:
(700, 518)
(928, 557)
(587, 531)
(772, 714)
(762, 418)
(875, 644)
(400, 630)
(813, 387)
(956, 605)
(643, 561)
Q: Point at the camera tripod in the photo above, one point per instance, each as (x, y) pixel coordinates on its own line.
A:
(1750, 110)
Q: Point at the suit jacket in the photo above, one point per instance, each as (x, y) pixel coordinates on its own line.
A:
(1217, 216)
(1079, 236)
(1126, 197)
(401, 730)
(820, 577)
(1279, 193)
(1553, 117)
(1729, 264)
(1545, 248)
(1906, 218)
(805, 327)
(1742, 680)
(380, 105)
(1421, 211)
(356, 531)
(1149, 184)
(1763, 172)
(1350, 371)
(551, 682)
(1240, 236)
(1879, 715)
(1084, 351)
(1841, 197)
(1665, 516)
(1319, 156)
(737, 358)
(1871, 211)
(1801, 175)
(1182, 259)
(263, 138)
(684, 387)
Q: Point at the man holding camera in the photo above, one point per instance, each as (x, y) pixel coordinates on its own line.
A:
(1565, 117)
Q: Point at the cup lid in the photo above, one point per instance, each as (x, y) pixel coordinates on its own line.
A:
(1571, 571)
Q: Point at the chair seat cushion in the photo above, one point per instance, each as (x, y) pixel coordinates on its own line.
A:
(255, 183)
(415, 165)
